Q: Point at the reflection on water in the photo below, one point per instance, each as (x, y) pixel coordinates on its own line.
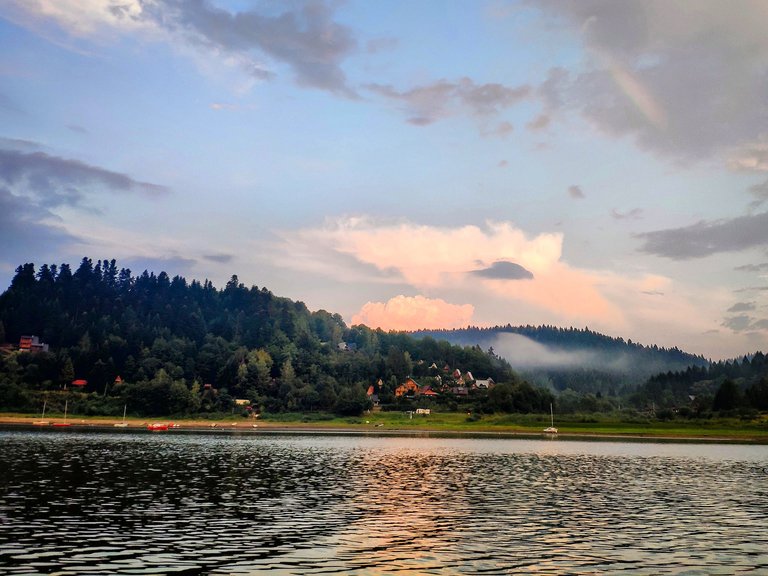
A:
(75, 503)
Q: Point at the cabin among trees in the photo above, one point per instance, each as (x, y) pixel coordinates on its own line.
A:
(407, 388)
(32, 344)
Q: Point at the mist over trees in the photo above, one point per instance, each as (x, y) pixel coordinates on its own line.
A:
(580, 360)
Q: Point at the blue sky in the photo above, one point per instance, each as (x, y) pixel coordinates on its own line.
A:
(406, 164)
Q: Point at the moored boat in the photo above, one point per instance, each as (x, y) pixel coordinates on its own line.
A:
(42, 421)
(122, 424)
(65, 423)
(551, 428)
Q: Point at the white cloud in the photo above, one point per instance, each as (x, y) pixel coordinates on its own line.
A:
(87, 17)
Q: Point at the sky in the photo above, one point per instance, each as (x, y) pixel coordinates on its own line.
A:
(585, 163)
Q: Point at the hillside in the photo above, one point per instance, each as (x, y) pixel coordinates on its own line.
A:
(164, 345)
(579, 359)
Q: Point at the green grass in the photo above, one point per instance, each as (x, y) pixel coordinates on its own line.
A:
(588, 424)
(534, 424)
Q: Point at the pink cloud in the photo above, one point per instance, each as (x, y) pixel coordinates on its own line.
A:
(413, 313)
(573, 295)
(428, 255)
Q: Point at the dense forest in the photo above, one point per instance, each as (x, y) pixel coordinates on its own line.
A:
(574, 359)
(105, 339)
(591, 372)
(727, 387)
(162, 345)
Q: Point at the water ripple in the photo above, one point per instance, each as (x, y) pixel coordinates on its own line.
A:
(202, 504)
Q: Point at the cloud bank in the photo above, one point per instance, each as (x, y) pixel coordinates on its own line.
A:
(58, 181)
(497, 261)
(686, 80)
(706, 238)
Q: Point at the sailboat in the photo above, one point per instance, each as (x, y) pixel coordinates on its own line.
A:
(42, 421)
(65, 423)
(123, 424)
(551, 429)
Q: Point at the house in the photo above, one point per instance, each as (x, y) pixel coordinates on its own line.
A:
(485, 384)
(460, 390)
(428, 392)
(371, 393)
(32, 344)
(456, 374)
(425, 411)
(407, 388)
(242, 401)
(347, 346)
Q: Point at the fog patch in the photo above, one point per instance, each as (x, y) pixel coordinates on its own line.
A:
(523, 353)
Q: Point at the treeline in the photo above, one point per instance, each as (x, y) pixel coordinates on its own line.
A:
(187, 347)
(731, 386)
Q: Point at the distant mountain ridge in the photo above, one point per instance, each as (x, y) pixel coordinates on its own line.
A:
(576, 358)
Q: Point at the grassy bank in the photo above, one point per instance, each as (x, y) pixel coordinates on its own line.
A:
(592, 425)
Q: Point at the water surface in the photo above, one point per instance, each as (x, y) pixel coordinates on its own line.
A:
(139, 503)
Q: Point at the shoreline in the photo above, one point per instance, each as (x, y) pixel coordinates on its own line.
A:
(200, 425)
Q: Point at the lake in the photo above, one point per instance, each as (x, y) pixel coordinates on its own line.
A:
(130, 502)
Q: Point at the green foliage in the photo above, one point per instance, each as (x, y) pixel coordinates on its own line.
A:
(740, 384)
(352, 402)
(727, 396)
(517, 397)
(183, 348)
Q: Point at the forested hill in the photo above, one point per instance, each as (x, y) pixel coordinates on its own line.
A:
(181, 347)
(579, 359)
(724, 385)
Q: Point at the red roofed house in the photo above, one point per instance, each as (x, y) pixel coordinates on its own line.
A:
(32, 344)
(409, 388)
